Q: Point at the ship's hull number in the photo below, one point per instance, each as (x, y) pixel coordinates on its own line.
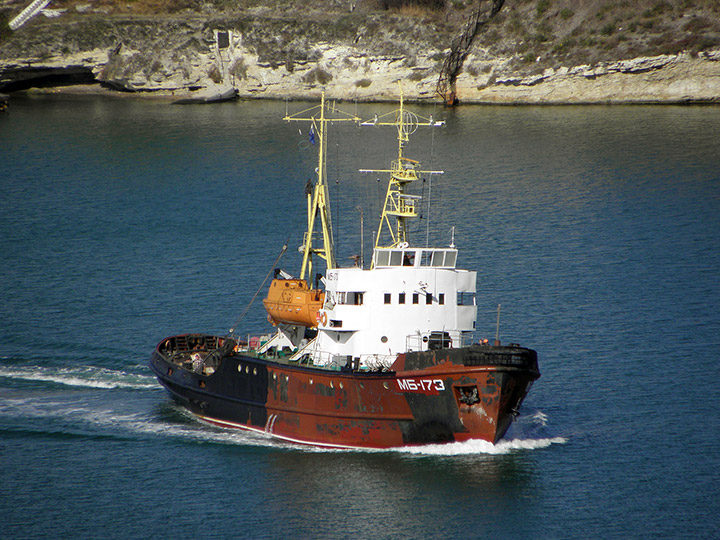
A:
(426, 386)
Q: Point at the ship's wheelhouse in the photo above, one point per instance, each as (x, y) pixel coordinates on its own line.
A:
(413, 299)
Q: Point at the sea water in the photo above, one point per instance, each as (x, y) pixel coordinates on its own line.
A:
(597, 230)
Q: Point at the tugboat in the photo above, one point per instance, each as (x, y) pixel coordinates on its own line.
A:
(374, 357)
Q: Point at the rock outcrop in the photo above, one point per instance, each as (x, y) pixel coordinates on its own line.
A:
(676, 78)
(278, 58)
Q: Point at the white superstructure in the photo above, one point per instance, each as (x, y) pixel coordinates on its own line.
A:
(411, 300)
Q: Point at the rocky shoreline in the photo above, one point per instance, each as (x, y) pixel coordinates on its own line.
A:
(272, 58)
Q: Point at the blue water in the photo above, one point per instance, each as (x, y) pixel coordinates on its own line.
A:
(596, 228)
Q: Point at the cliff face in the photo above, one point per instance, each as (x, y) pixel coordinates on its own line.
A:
(362, 54)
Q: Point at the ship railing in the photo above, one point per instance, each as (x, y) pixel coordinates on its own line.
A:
(414, 342)
(333, 361)
(310, 352)
(375, 362)
(404, 170)
(365, 362)
(401, 204)
(466, 339)
(421, 341)
(190, 343)
(306, 350)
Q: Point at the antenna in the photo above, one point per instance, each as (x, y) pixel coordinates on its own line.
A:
(318, 197)
(497, 328)
(400, 206)
(362, 238)
(427, 222)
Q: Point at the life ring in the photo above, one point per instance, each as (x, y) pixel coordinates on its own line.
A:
(322, 318)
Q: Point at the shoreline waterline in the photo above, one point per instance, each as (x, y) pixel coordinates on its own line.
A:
(169, 96)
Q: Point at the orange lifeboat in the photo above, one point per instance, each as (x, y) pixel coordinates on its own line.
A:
(292, 301)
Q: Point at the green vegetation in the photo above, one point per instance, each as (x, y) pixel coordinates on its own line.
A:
(608, 29)
(418, 75)
(541, 7)
(318, 75)
(551, 33)
(434, 5)
(4, 28)
(537, 34)
(238, 69)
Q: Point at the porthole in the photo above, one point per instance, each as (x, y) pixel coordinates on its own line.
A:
(275, 376)
(384, 339)
(332, 384)
(386, 385)
(341, 386)
(247, 369)
(287, 378)
(254, 371)
(311, 381)
(239, 368)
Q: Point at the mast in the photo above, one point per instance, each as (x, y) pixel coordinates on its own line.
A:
(399, 205)
(318, 199)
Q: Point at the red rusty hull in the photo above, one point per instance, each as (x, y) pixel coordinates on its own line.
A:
(427, 398)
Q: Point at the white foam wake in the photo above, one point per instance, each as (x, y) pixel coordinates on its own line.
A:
(248, 438)
(481, 447)
(84, 376)
(205, 431)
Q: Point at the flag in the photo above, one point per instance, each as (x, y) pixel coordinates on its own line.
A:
(312, 135)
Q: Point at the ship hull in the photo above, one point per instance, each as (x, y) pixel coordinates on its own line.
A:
(430, 397)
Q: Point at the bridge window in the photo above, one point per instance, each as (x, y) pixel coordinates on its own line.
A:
(416, 298)
(465, 298)
(395, 257)
(441, 299)
(428, 298)
(387, 297)
(350, 298)
(382, 258)
(401, 298)
(438, 258)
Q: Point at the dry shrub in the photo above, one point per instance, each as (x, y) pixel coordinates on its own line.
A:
(408, 7)
(214, 74)
(238, 68)
(319, 75)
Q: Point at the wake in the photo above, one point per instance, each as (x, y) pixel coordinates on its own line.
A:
(81, 376)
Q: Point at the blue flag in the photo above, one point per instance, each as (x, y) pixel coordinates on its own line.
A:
(312, 135)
